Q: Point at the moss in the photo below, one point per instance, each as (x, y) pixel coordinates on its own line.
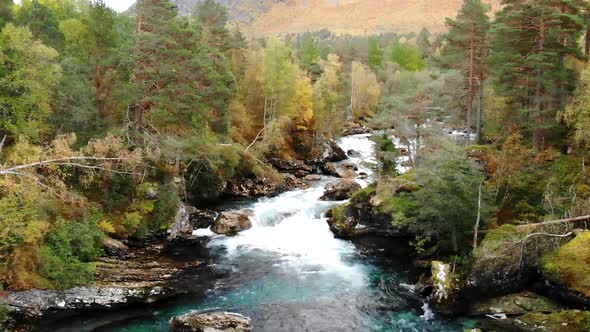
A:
(364, 195)
(570, 264)
(339, 216)
(564, 321)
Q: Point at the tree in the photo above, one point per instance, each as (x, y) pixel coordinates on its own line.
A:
(407, 56)
(531, 41)
(467, 51)
(28, 76)
(365, 91)
(326, 92)
(42, 21)
(577, 114)
(446, 206)
(376, 54)
(183, 82)
(5, 12)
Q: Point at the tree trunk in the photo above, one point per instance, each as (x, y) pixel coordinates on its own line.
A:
(470, 82)
(480, 107)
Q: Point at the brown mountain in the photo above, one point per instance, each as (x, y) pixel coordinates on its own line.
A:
(357, 17)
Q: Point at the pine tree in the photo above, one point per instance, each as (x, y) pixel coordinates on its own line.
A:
(376, 54)
(467, 51)
(531, 40)
(43, 23)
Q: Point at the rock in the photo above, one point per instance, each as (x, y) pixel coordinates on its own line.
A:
(295, 167)
(344, 171)
(513, 304)
(265, 187)
(230, 223)
(114, 247)
(313, 177)
(363, 176)
(445, 287)
(353, 153)
(342, 221)
(340, 190)
(211, 322)
(569, 266)
(182, 227)
(563, 321)
(144, 276)
(356, 131)
(328, 151)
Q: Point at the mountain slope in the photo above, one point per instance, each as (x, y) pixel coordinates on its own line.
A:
(356, 17)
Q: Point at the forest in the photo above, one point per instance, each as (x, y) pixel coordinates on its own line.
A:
(112, 121)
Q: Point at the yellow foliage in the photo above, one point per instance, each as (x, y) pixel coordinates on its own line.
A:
(303, 104)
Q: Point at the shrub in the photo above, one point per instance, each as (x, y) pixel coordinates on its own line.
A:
(4, 316)
(65, 259)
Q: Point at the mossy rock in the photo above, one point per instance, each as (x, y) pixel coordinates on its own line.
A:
(514, 304)
(563, 321)
(570, 265)
(364, 195)
(342, 222)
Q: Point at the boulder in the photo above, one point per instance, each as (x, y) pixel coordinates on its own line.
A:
(445, 287)
(563, 321)
(211, 322)
(313, 177)
(230, 223)
(340, 190)
(295, 167)
(328, 151)
(114, 247)
(356, 131)
(182, 227)
(569, 266)
(342, 221)
(513, 304)
(353, 154)
(344, 171)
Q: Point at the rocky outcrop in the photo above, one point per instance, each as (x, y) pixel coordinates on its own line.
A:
(340, 190)
(328, 151)
(445, 287)
(356, 131)
(568, 268)
(344, 171)
(182, 227)
(562, 321)
(295, 167)
(114, 247)
(342, 221)
(513, 305)
(144, 276)
(211, 322)
(266, 187)
(231, 223)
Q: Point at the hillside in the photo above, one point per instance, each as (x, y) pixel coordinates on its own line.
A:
(357, 17)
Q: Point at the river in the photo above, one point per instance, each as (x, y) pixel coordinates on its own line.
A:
(289, 273)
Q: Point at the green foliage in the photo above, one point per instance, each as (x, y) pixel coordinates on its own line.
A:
(376, 55)
(42, 22)
(70, 248)
(4, 315)
(5, 12)
(407, 56)
(28, 75)
(446, 205)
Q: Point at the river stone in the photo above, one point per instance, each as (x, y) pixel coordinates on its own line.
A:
(353, 154)
(344, 171)
(514, 304)
(211, 322)
(356, 131)
(113, 247)
(313, 177)
(230, 223)
(562, 321)
(340, 190)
